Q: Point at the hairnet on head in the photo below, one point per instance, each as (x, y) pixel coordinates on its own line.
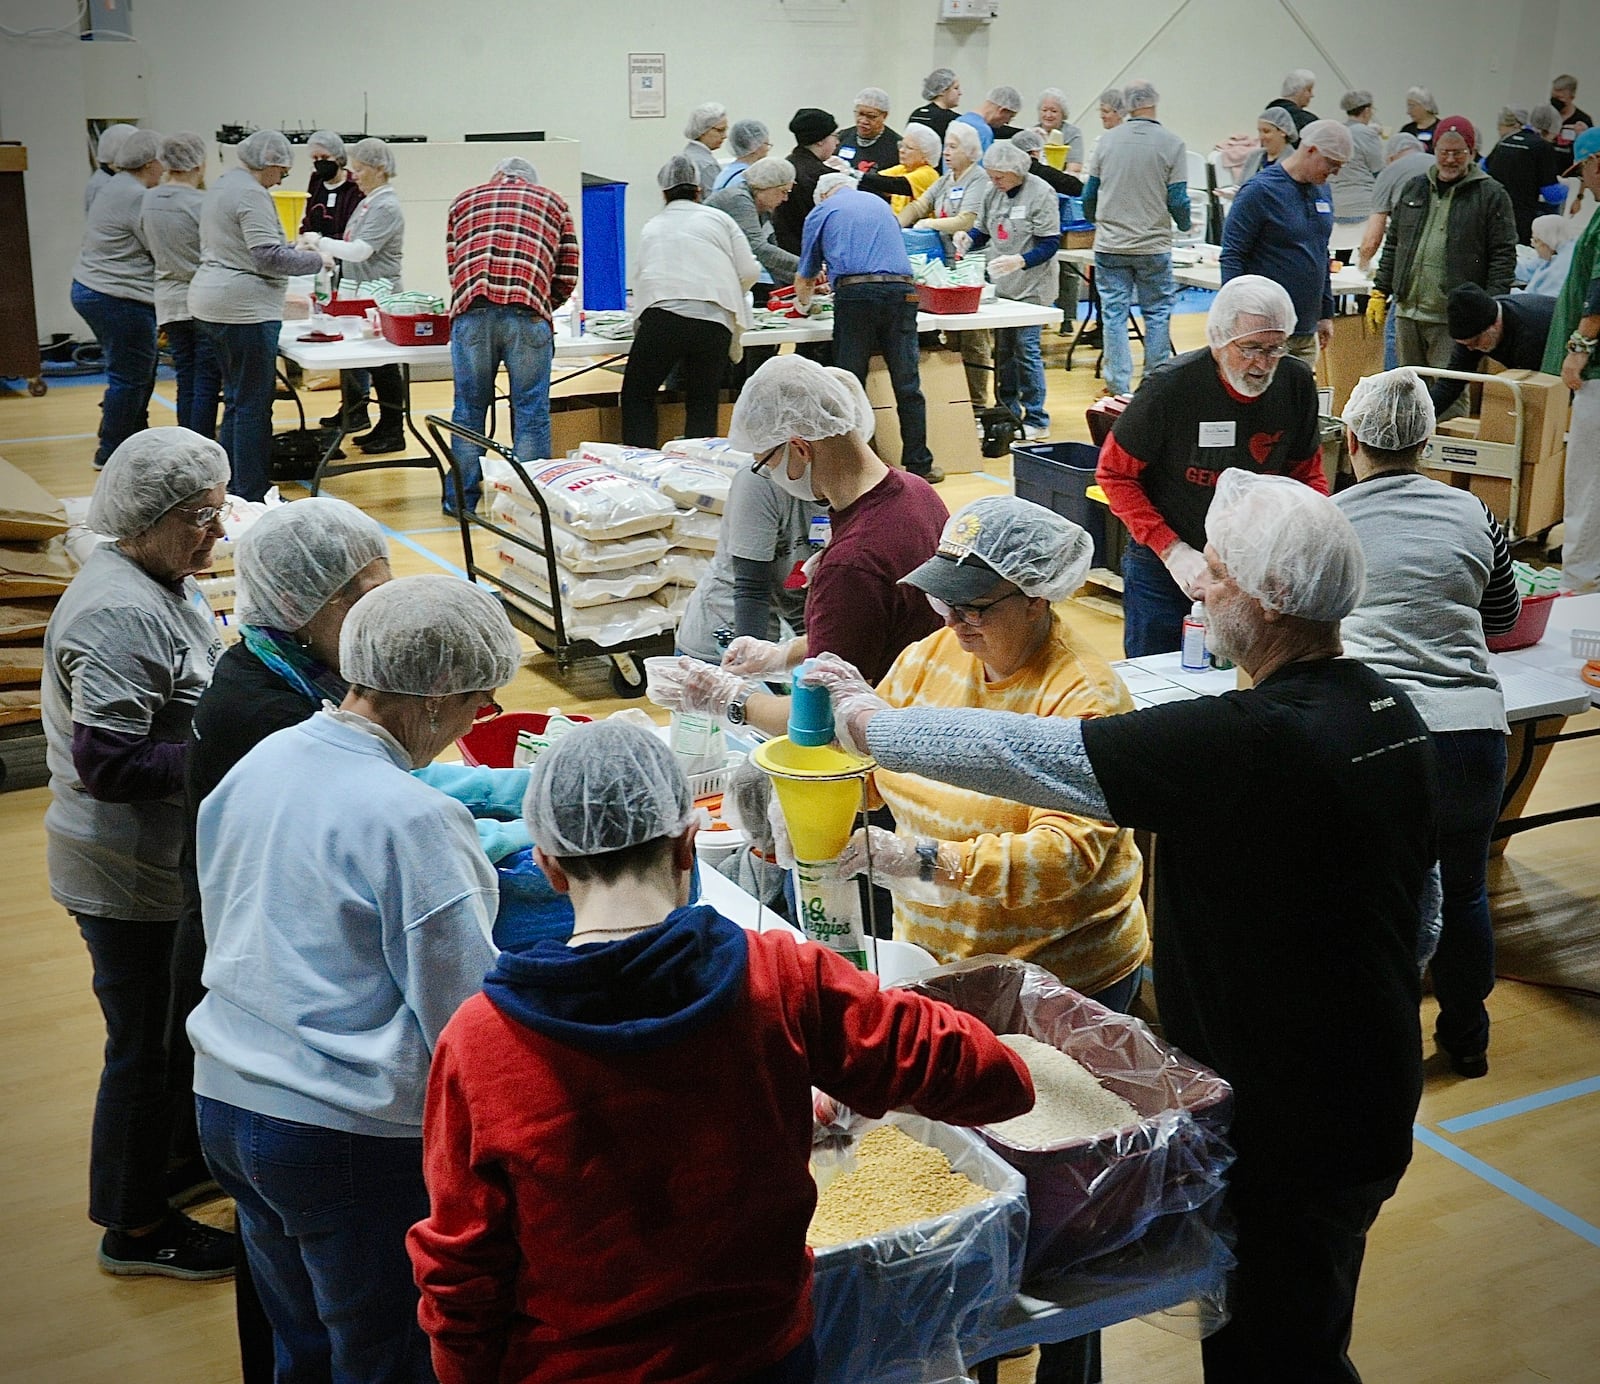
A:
(1057, 95)
(925, 140)
(148, 474)
(746, 136)
(1006, 98)
(329, 141)
(1140, 93)
(855, 391)
(105, 150)
(1402, 143)
(1113, 100)
(1545, 118)
(1391, 411)
(605, 787)
(1555, 230)
(1286, 545)
(769, 172)
(1029, 141)
(1297, 81)
(678, 171)
(873, 98)
(830, 183)
(295, 558)
(745, 800)
(1005, 157)
(1510, 115)
(138, 149)
(940, 80)
(428, 636)
(517, 168)
(1423, 97)
(375, 153)
(703, 117)
(1276, 115)
(266, 148)
(1330, 137)
(1353, 101)
(965, 136)
(184, 152)
(1251, 303)
(1038, 551)
(790, 396)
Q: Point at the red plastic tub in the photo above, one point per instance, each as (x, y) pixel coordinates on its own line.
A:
(949, 300)
(425, 329)
(349, 307)
(1530, 626)
(492, 744)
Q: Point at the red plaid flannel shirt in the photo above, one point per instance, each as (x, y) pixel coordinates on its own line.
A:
(508, 241)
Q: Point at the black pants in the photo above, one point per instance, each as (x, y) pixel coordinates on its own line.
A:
(662, 340)
(385, 380)
(1293, 1295)
(880, 318)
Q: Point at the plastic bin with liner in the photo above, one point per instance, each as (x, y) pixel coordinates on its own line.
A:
(909, 1305)
(1091, 1197)
(1058, 475)
(536, 607)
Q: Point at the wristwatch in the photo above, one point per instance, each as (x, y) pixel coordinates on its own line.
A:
(927, 860)
(734, 715)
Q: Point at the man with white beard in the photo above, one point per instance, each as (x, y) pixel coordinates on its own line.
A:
(1236, 403)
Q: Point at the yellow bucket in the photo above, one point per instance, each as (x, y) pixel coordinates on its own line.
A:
(291, 210)
(819, 789)
(1056, 155)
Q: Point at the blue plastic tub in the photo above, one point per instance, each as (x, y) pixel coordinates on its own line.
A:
(928, 243)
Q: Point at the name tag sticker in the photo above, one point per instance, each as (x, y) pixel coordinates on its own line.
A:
(1324, 206)
(1217, 434)
(821, 531)
(1019, 214)
(847, 152)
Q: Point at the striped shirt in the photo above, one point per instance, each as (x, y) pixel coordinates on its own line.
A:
(509, 241)
(1044, 886)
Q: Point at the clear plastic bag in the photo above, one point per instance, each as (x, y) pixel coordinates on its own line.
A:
(895, 1308)
(1090, 1197)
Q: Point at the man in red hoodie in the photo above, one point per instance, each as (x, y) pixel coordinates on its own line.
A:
(618, 1128)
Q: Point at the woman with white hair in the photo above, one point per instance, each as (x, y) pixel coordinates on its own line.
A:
(869, 145)
(1554, 238)
(332, 195)
(748, 141)
(705, 129)
(1424, 112)
(237, 296)
(1295, 94)
(916, 172)
(1054, 127)
(129, 649)
(1112, 108)
(751, 202)
(114, 289)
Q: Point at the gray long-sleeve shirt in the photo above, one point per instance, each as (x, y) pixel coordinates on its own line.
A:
(739, 202)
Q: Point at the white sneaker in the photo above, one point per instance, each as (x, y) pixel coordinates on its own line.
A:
(1034, 433)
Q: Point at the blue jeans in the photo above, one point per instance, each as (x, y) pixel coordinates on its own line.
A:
(481, 339)
(199, 377)
(1472, 773)
(1119, 279)
(1019, 374)
(126, 329)
(881, 319)
(1391, 352)
(1152, 605)
(324, 1216)
(247, 353)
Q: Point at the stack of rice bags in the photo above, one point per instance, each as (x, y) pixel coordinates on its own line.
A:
(35, 567)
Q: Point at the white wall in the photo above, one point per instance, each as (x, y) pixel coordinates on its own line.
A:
(446, 69)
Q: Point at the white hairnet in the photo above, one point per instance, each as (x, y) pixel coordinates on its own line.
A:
(105, 151)
(1057, 95)
(1555, 230)
(769, 172)
(1006, 98)
(1276, 115)
(1040, 552)
(830, 183)
(1140, 93)
(605, 787)
(375, 153)
(1297, 81)
(264, 148)
(790, 396)
(941, 79)
(184, 152)
(873, 98)
(1511, 116)
(1353, 101)
(1330, 137)
(925, 140)
(1286, 545)
(1029, 141)
(1005, 157)
(1545, 118)
(138, 149)
(148, 474)
(703, 117)
(746, 136)
(428, 636)
(328, 141)
(678, 171)
(516, 168)
(1391, 411)
(1402, 143)
(965, 136)
(295, 558)
(1113, 100)
(1251, 303)
(1424, 98)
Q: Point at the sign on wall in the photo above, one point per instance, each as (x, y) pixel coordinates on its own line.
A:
(647, 86)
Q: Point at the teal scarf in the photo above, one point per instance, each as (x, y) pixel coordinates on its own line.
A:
(292, 662)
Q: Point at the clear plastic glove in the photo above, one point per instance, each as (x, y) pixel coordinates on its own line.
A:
(898, 865)
(687, 684)
(962, 241)
(854, 701)
(782, 846)
(1187, 568)
(926, 224)
(328, 261)
(308, 240)
(834, 1126)
(749, 657)
(1002, 265)
(838, 165)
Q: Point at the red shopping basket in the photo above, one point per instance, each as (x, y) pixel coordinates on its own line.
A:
(946, 301)
(425, 329)
(348, 307)
(1530, 626)
(492, 744)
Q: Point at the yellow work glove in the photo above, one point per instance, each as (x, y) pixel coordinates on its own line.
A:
(1377, 311)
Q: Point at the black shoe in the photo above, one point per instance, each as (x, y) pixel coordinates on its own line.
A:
(383, 439)
(1470, 1065)
(178, 1248)
(933, 475)
(353, 424)
(189, 1183)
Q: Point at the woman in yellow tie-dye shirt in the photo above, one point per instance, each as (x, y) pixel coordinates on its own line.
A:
(974, 874)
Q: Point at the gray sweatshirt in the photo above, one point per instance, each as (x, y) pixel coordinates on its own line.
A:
(739, 202)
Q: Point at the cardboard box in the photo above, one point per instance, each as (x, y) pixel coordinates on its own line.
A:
(951, 436)
(1539, 505)
(1354, 352)
(1546, 403)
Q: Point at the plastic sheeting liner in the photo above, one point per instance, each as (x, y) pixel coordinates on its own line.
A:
(592, 501)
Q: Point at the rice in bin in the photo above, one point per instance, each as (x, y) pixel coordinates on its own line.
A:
(1069, 1102)
(896, 1182)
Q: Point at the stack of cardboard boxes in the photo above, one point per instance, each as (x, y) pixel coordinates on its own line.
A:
(34, 570)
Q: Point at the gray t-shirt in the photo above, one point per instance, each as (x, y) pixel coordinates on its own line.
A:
(238, 214)
(378, 221)
(114, 258)
(1352, 185)
(1395, 176)
(171, 222)
(1013, 222)
(124, 653)
(760, 524)
(1136, 163)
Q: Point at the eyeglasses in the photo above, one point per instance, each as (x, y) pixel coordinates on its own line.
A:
(969, 614)
(207, 515)
(761, 463)
(489, 709)
(1258, 352)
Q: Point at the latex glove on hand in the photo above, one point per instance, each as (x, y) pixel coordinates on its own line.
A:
(1002, 265)
(895, 857)
(926, 224)
(962, 241)
(854, 701)
(307, 240)
(1377, 311)
(834, 1126)
(328, 261)
(748, 657)
(1187, 568)
(687, 684)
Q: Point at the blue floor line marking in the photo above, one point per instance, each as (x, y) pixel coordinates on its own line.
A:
(443, 528)
(1509, 1185)
(1508, 1109)
(54, 437)
(164, 401)
(416, 547)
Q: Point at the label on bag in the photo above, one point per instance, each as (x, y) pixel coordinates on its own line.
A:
(1217, 434)
(422, 329)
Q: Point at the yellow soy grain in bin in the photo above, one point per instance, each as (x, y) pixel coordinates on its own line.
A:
(291, 210)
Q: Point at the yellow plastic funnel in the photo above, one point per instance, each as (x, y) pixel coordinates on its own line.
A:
(819, 789)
